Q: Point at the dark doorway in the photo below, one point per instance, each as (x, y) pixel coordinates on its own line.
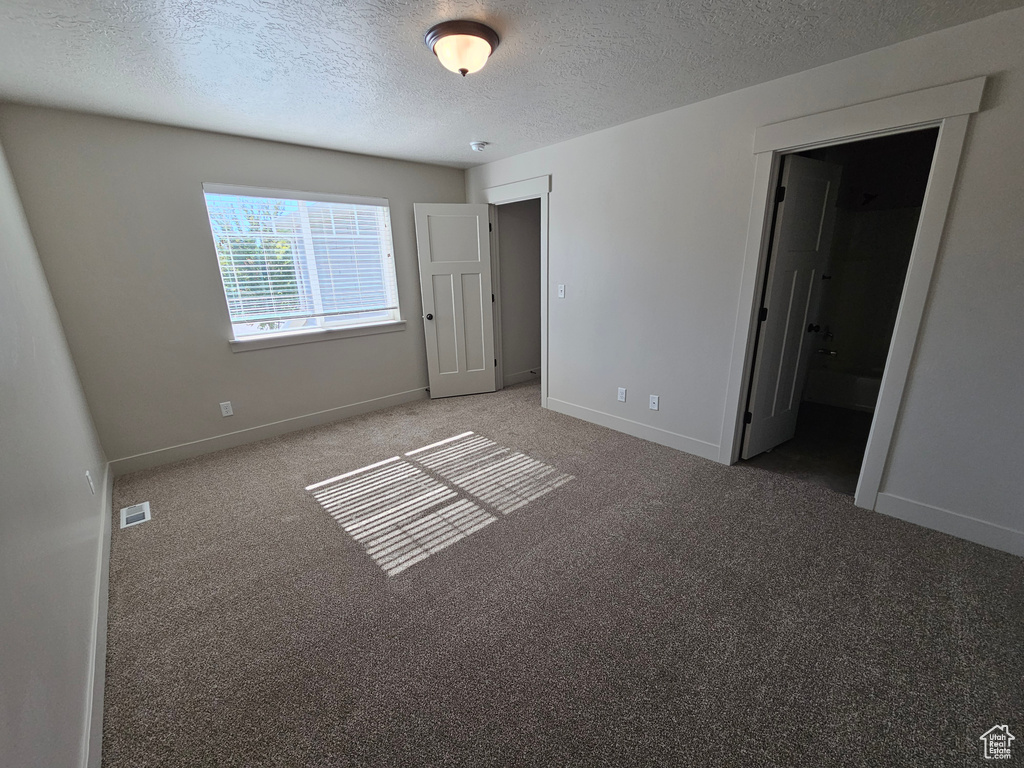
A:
(877, 212)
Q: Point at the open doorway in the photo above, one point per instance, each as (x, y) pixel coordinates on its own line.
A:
(460, 274)
(832, 289)
(516, 275)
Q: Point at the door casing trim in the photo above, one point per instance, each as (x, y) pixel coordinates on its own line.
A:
(949, 108)
(537, 188)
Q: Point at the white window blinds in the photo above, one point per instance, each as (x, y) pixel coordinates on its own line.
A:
(290, 262)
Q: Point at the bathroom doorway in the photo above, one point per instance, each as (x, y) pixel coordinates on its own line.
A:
(832, 290)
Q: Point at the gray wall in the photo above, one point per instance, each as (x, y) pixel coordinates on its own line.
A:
(648, 223)
(117, 211)
(519, 249)
(50, 524)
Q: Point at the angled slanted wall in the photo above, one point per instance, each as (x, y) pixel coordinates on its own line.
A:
(51, 526)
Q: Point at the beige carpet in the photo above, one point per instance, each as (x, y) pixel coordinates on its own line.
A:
(540, 592)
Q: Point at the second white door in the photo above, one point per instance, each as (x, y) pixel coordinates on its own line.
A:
(454, 253)
(788, 335)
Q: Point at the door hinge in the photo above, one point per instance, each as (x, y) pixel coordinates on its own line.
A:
(748, 417)
(780, 194)
(490, 227)
(492, 298)
(764, 314)
(495, 362)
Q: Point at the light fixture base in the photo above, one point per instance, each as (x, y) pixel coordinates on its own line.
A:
(459, 27)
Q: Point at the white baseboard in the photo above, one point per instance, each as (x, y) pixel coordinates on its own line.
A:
(93, 747)
(252, 434)
(953, 523)
(519, 378)
(636, 429)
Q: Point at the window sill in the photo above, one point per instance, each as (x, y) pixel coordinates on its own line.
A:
(313, 334)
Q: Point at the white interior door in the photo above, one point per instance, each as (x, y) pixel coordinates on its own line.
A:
(799, 254)
(453, 244)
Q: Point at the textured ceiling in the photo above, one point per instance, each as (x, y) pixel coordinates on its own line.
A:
(355, 74)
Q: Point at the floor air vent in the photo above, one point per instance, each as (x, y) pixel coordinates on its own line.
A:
(135, 514)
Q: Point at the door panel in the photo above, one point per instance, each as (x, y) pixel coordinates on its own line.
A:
(472, 298)
(798, 309)
(453, 238)
(455, 282)
(444, 324)
(798, 257)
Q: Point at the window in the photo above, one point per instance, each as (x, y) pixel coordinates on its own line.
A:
(292, 262)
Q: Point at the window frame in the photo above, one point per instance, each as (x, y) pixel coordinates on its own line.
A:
(324, 328)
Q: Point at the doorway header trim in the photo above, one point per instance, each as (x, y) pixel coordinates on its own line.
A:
(518, 190)
(919, 108)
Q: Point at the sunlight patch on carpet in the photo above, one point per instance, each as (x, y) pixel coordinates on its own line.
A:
(398, 513)
(505, 479)
(402, 510)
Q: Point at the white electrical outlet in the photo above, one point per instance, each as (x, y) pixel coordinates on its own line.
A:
(88, 476)
(225, 409)
(654, 402)
(622, 394)
(561, 291)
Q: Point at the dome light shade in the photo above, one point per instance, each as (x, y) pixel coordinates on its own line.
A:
(462, 46)
(462, 53)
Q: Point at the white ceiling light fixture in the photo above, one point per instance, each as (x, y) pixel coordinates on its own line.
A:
(462, 46)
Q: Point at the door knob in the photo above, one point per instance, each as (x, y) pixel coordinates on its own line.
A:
(429, 316)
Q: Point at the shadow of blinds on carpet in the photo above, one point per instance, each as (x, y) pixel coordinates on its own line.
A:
(402, 510)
